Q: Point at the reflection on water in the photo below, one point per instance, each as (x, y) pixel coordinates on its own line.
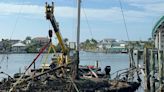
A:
(18, 62)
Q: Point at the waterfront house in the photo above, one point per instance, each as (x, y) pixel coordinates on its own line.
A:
(106, 43)
(108, 40)
(13, 41)
(112, 45)
(18, 48)
(41, 40)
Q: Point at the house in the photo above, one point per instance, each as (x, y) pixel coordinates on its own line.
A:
(19, 48)
(105, 43)
(41, 40)
(13, 41)
(112, 45)
(109, 40)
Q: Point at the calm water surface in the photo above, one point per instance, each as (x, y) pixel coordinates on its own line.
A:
(18, 62)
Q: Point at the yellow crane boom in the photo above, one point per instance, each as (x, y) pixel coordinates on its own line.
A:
(50, 16)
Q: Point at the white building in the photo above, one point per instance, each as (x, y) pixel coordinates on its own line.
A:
(158, 34)
(19, 48)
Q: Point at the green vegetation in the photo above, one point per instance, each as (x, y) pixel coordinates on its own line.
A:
(31, 49)
(6, 45)
(89, 44)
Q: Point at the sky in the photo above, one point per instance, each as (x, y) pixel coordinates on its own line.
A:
(100, 19)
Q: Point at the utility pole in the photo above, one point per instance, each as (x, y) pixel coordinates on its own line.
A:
(78, 37)
(78, 24)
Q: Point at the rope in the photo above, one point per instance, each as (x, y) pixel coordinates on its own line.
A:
(46, 59)
(132, 63)
(53, 47)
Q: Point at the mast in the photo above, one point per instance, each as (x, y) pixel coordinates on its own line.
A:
(78, 24)
(78, 37)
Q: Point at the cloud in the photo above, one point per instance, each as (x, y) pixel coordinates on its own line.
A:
(150, 6)
(15, 8)
(108, 14)
(143, 1)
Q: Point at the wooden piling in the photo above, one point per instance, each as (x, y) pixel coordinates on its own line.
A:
(130, 60)
(97, 64)
(147, 71)
(132, 57)
(152, 69)
(160, 67)
(137, 59)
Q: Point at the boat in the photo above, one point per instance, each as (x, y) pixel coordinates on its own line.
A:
(64, 74)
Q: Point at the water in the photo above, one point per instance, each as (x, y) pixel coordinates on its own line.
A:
(17, 62)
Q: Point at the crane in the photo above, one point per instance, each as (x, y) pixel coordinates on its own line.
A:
(69, 55)
(50, 16)
(55, 25)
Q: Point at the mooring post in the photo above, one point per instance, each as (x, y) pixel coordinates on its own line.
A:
(138, 59)
(132, 57)
(130, 60)
(160, 67)
(97, 64)
(146, 77)
(152, 69)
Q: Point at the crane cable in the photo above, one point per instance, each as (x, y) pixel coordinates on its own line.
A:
(126, 29)
(123, 16)
(132, 62)
(89, 27)
(90, 30)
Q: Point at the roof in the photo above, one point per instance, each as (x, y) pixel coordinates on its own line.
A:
(18, 45)
(40, 38)
(159, 22)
